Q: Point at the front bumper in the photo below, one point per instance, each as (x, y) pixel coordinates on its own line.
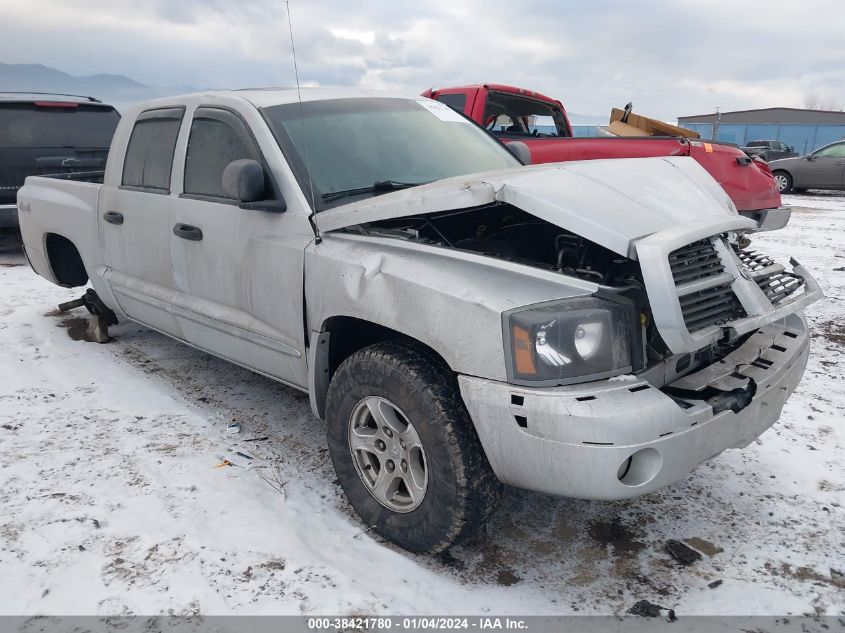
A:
(769, 219)
(576, 441)
(8, 216)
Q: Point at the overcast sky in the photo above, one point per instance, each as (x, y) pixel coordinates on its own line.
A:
(670, 57)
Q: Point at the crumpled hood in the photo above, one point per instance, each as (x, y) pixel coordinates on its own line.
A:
(610, 202)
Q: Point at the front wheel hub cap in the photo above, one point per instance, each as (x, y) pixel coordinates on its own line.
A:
(380, 437)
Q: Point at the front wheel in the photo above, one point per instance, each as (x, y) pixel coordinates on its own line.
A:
(784, 181)
(405, 450)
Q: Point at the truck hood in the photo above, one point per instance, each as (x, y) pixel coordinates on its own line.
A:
(613, 203)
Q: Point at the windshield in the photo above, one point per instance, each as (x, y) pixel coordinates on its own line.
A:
(26, 125)
(758, 144)
(350, 149)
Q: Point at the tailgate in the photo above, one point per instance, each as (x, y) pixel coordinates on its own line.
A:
(749, 183)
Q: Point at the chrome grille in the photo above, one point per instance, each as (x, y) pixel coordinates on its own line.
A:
(704, 292)
(775, 282)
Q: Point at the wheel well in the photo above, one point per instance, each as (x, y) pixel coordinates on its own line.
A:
(65, 261)
(341, 337)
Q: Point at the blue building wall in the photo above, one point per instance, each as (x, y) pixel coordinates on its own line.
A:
(804, 138)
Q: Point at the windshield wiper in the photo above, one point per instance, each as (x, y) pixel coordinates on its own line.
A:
(382, 186)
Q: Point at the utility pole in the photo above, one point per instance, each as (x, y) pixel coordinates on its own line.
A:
(716, 124)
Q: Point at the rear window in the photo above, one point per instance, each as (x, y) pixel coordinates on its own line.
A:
(514, 116)
(28, 126)
(149, 156)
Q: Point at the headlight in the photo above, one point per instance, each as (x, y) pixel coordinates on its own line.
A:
(574, 340)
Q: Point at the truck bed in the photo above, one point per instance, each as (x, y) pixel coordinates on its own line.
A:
(64, 207)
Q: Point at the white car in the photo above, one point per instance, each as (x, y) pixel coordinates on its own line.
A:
(459, 320)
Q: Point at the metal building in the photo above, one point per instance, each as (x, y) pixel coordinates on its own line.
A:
(805, 130)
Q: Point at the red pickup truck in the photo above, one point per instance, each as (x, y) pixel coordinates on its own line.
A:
(507, 111)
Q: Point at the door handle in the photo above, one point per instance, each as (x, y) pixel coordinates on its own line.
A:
(113, 217)
(187, 232)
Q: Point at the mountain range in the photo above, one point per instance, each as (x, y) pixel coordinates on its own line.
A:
(117, 90)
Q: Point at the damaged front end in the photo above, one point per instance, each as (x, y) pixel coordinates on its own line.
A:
(640, 335)
(659, 243)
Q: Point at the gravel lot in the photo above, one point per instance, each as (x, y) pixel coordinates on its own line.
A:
(111, 501)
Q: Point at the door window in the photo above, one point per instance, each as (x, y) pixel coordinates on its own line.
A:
(149, 155)
(456, 101)
(831, 151)
(217, 138)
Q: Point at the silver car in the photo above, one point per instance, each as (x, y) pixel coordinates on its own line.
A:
(822, 169)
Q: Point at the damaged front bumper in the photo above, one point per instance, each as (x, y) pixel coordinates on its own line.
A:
(768, 219)
(621, 438)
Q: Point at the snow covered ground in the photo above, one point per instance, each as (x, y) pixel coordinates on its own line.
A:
(111, 501)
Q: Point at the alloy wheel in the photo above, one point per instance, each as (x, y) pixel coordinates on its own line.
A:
(388, 454)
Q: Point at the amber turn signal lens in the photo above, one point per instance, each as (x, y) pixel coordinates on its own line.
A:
(523, 352)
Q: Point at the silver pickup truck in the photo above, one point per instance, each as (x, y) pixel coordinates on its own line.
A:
(460, 320)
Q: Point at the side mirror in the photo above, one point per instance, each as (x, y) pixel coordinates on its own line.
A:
(243, 180)
(520, 151)
(810, 157)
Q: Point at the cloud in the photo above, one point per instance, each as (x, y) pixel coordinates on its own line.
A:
(670, 57)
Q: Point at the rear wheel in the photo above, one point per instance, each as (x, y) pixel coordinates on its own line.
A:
(784, 181)
(405, 450)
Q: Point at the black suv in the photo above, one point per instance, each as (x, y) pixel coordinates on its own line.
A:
(50, 134)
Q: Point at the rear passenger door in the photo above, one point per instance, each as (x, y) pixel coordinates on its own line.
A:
(237, 272)
(135, 224)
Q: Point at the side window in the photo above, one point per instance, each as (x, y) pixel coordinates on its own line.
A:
(832, 151)
(217, 138)
(457, 101)
(149, 155)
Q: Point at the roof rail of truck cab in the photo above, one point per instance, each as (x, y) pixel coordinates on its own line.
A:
(27, 95)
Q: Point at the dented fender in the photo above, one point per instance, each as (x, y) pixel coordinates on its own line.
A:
(450, 300)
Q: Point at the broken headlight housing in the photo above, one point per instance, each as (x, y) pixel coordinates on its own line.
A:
(568, 341)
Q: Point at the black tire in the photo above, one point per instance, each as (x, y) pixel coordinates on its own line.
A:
(784, 180)
(462, 489)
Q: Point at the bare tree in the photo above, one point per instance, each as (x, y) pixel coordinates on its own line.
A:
(813, 101)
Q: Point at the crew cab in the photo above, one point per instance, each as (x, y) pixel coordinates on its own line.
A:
(592, 329)
(65, 135)
(769, 150)
(507, 111)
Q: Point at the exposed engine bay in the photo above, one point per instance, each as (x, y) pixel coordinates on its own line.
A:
(505, 232)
